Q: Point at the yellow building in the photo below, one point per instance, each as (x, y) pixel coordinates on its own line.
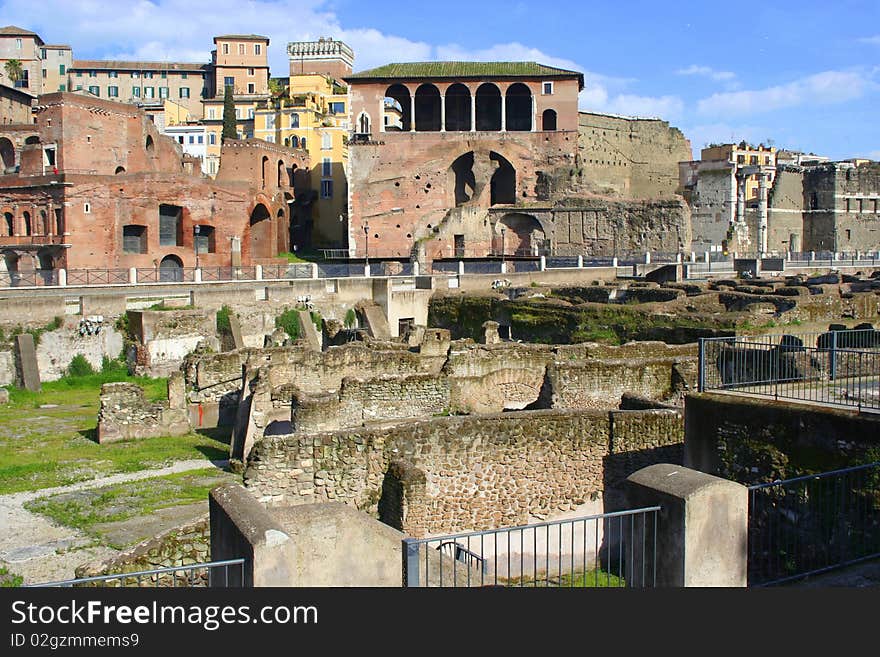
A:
(744, 155)
(313, 114)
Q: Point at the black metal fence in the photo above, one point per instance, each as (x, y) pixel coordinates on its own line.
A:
(813, 524)
(223, 574)
(834, 367)
(608, 550)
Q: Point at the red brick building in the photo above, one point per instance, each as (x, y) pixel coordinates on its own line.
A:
(98, 186)
(439, 144)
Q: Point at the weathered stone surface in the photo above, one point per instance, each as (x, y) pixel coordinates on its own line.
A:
(126, 415)
(28, 370)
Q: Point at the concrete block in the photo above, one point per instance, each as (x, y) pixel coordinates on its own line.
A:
(702, 530)
(29, 371)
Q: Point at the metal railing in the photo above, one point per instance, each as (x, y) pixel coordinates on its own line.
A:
(607, 550)
(32, 278)
(279, 272)
(813, 524)
(97, 276)
(224, 574)
(842, 369)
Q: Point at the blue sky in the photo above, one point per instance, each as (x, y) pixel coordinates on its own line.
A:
(805, 75)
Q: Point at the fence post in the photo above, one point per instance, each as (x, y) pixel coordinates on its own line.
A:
(367, 270)
(62, 278)
(197, 275)
(647, 257)
(314, 267)
(411, 563)
(542, 263)
(258, 273)
(614, 261)
(706, 256)
(832, 360)
(580, 262)
(461, 267)
(415, 268)
(701, 366)
(503, 267)
(812, 256)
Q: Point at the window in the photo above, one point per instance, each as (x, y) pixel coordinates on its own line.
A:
(164, 74)
(93, 74)
(183, 76)
(250, 113)
(203, 238)
(79, 74)
(240, 48)
(251, 72)
(270, 121)
(225, 48)
(87, 208)
(18, 44)
(326, 167)
(169, 225)
(212, 139)
(61, 69)
(251, 88)
(753, 159)
(211, 113)
(163, 92)
(201, 139)
(148, 92)
(134, 239)
(95, 91)
(258, 49)
(43, 53)
(112, 74)
(148, 75)
(547, 88)
(294, 120)
(135, 74)
(62, 87)
(326, 141)
(740, 159)
(136, 92)
(302, 143)
(44, 73)
(113, 92)
(326, 189)
(180, 138)
(192, 139)
(228, 81)
(337, 108)
(270, 139)
(184, 92)
(238, 113)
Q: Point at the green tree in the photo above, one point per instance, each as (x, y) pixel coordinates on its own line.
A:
(229, 129)
(14, 70)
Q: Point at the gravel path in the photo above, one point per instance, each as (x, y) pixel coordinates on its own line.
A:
(39, 550)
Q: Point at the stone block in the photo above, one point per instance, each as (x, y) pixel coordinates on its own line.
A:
(308, 331)
(235, 329)
(29, 371)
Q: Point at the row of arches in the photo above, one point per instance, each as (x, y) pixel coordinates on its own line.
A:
(458, 111)
(28, 224)
(285, 175)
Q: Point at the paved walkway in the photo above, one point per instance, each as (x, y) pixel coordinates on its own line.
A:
(39, 550)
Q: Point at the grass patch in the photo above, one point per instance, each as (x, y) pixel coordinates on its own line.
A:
(304, 256)
(47, 438)
(85, 509)
(590, 579)
(9, 580)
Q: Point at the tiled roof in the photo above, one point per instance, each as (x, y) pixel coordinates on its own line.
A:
(249, 37)
(460, 70)
(16, 31)
(111, 65)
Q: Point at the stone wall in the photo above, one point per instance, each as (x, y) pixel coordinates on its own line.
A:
(125, 414)
(180, 546)
(458, 473)
(168, 336)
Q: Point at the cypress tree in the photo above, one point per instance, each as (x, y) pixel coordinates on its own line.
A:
(229, 129)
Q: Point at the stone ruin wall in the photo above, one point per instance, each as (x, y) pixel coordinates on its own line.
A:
(125, 414)
(458, 473)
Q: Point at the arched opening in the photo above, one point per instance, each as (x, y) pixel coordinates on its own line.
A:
(261, 232)
(458, 108)
(119, 170)
(503, 184)
(548, 120)
(518, 108)
(282, 232)
(427, 108)
(34, 139)
(364, 124)
(171, 269)
(264, 169)
(46, 262)
(294, 142)
(149, 144)
(7, 155)
(44, 222)
(282, 171)
(463, 181)
(523, 234)
(400, 94)
(488, 107)
(28, 229)
(8, 224)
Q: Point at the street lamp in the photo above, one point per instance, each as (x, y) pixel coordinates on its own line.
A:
(367, 242)
(196, 243)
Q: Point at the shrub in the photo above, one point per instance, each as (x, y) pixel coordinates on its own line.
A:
(79, 366)
(10, 580)
(350, 318)
(223, 326)
(289, 322)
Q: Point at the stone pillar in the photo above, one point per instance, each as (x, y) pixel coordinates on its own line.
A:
(474, 112)
(503, 267)
(28, 369)
(763, 180)
(740, 189)
(366, 270)
(812, 255)
(258, 273)
(701, 530)
(580, 262)
(415, 268)
(176, 391)
(381, 115)
(62, 278)
(460, 267)
(706, 256)
(235, 251)
(535, 114)
(693, 256)
(442, 113)
(614, 261)
(647, 257)
(314, 266)
(197, 275)
(503, 113)
(542, 263)
(412, 113)
(133, 275)
(678, 258)
(490, 333)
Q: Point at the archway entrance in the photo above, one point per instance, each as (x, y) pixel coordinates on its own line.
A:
(171, 269)
(518, 108)
(261, 232)
(7, 156)
(503, 185)
(523, 234)
(400, 94)
(488, 101)
(458, 108)
(427, 108)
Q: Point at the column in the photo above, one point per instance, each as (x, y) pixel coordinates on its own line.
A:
(535, 114)
(442, 112)
(133, 275)
(258, 272)
(503, 113)
(762, 210)
(412, 113)
(381, 116)
(740, 199)
(62, 278)
(473, 112)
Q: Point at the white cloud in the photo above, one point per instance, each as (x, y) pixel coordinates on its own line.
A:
(824, 88)
(708, 72)
(873, 40)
